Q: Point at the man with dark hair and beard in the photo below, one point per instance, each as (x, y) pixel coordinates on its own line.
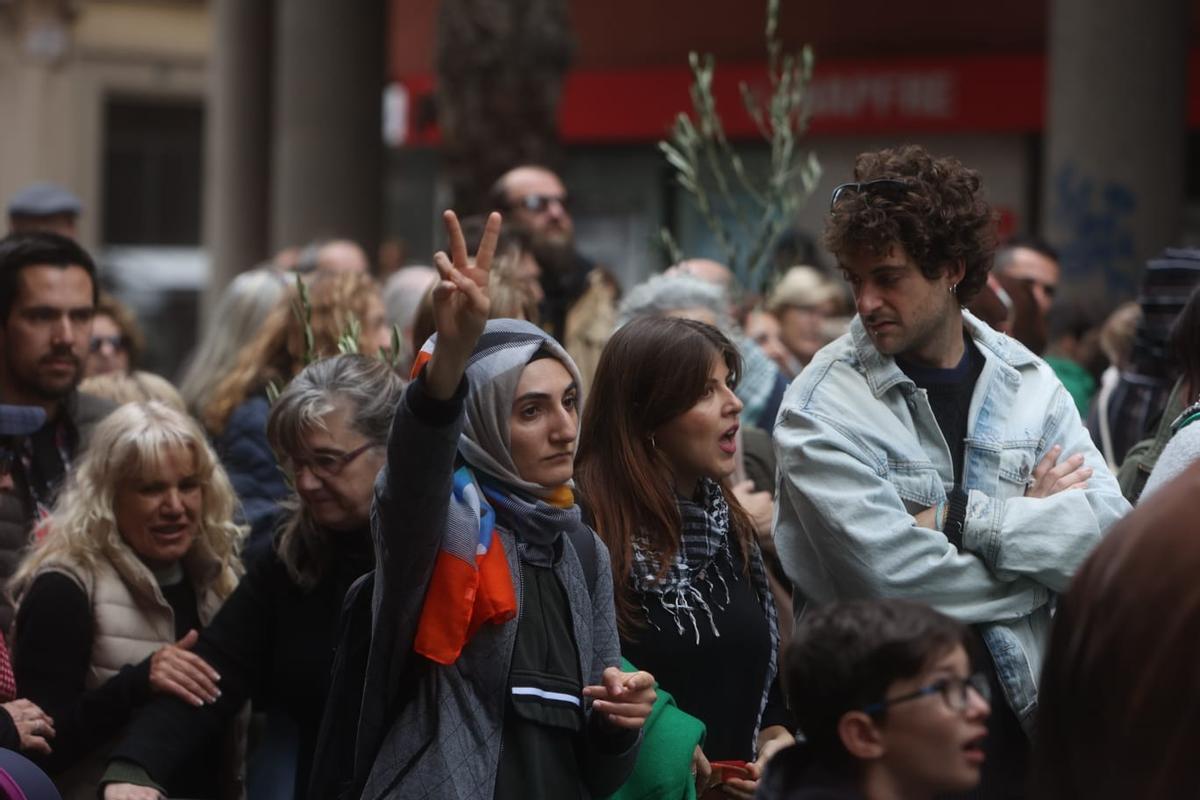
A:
(925, 456)
(47, 301)
(579, 308)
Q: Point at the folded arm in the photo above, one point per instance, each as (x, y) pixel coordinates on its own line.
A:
(1047, 538)
(840, 522)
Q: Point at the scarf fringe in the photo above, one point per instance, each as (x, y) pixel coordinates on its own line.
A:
(704, 541)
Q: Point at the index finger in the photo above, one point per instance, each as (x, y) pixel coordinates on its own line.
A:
(458, 243)
(613, 680)
(639, 680)
(487, 245)
(1047, 461)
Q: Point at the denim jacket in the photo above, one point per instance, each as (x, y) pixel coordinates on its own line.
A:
(860, 453)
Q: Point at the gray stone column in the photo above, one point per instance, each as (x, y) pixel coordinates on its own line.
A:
(1114, 146)
(327, 177)
(237, 159)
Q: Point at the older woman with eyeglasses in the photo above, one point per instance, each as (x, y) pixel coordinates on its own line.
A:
(274, 640)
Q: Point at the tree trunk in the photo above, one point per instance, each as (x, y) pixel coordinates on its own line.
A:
(500, 70)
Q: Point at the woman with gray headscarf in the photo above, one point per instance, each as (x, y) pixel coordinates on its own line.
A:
(494, 648)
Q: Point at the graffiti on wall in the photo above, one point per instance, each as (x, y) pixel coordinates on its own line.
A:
(1094, 219)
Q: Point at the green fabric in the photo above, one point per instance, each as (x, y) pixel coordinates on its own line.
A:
(1188, 420)
(1078, 381)
(120, 771)
(664, 765)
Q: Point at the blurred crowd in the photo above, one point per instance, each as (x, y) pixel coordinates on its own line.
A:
(501, 527)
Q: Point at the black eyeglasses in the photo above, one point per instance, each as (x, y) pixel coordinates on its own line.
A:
(115, 342)
(540, 203)
(327, 465)
(953, 691)
(888, 187)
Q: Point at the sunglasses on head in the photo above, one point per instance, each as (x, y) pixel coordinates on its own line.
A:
(540, 203)
(887, 187)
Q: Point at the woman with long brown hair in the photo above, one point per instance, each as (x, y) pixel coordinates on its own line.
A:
(693, 603)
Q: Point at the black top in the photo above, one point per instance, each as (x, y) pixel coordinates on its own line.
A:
(949, 392)
(720, 680)
(52, 653)
(537, 757)
(272, 642)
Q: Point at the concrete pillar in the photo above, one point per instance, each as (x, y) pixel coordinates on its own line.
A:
(237, 161)
(1114, 146)
(327, 177)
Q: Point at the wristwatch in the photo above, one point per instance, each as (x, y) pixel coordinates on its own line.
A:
(956, 516)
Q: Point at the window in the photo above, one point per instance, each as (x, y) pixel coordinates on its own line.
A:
(153, 171)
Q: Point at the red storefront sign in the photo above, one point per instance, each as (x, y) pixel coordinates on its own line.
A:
(992, 94)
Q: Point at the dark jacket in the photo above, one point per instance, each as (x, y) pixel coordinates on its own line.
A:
(272, 642)
(17, 507)
(251, 465)
(434, 731)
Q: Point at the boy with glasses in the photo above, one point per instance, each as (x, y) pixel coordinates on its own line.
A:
(887, 703)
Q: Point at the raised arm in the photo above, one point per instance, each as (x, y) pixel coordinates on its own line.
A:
(414, 487)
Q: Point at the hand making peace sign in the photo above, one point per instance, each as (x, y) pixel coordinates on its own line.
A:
(461, 303)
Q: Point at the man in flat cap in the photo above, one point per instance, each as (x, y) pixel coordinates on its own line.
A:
(44, 207)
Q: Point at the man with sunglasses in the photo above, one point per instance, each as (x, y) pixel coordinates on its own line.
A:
(47, 301)
(579, 297)
(926, 456)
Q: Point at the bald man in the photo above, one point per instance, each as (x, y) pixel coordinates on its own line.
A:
(580, 298)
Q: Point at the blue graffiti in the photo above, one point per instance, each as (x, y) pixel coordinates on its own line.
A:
(1095, 216)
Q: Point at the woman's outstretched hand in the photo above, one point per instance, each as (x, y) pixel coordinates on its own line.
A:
(461, 303)
(624, 698)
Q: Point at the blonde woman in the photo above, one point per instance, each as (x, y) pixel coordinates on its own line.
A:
(138, 554)
(133, 387)
(236, 414)
(242, 309)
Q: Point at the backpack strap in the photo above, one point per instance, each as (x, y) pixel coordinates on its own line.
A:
(584, 542)
(332, 774)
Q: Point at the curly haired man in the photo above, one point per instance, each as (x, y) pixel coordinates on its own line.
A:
(925, 456)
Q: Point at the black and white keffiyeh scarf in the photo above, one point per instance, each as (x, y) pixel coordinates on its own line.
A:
(694, 583)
